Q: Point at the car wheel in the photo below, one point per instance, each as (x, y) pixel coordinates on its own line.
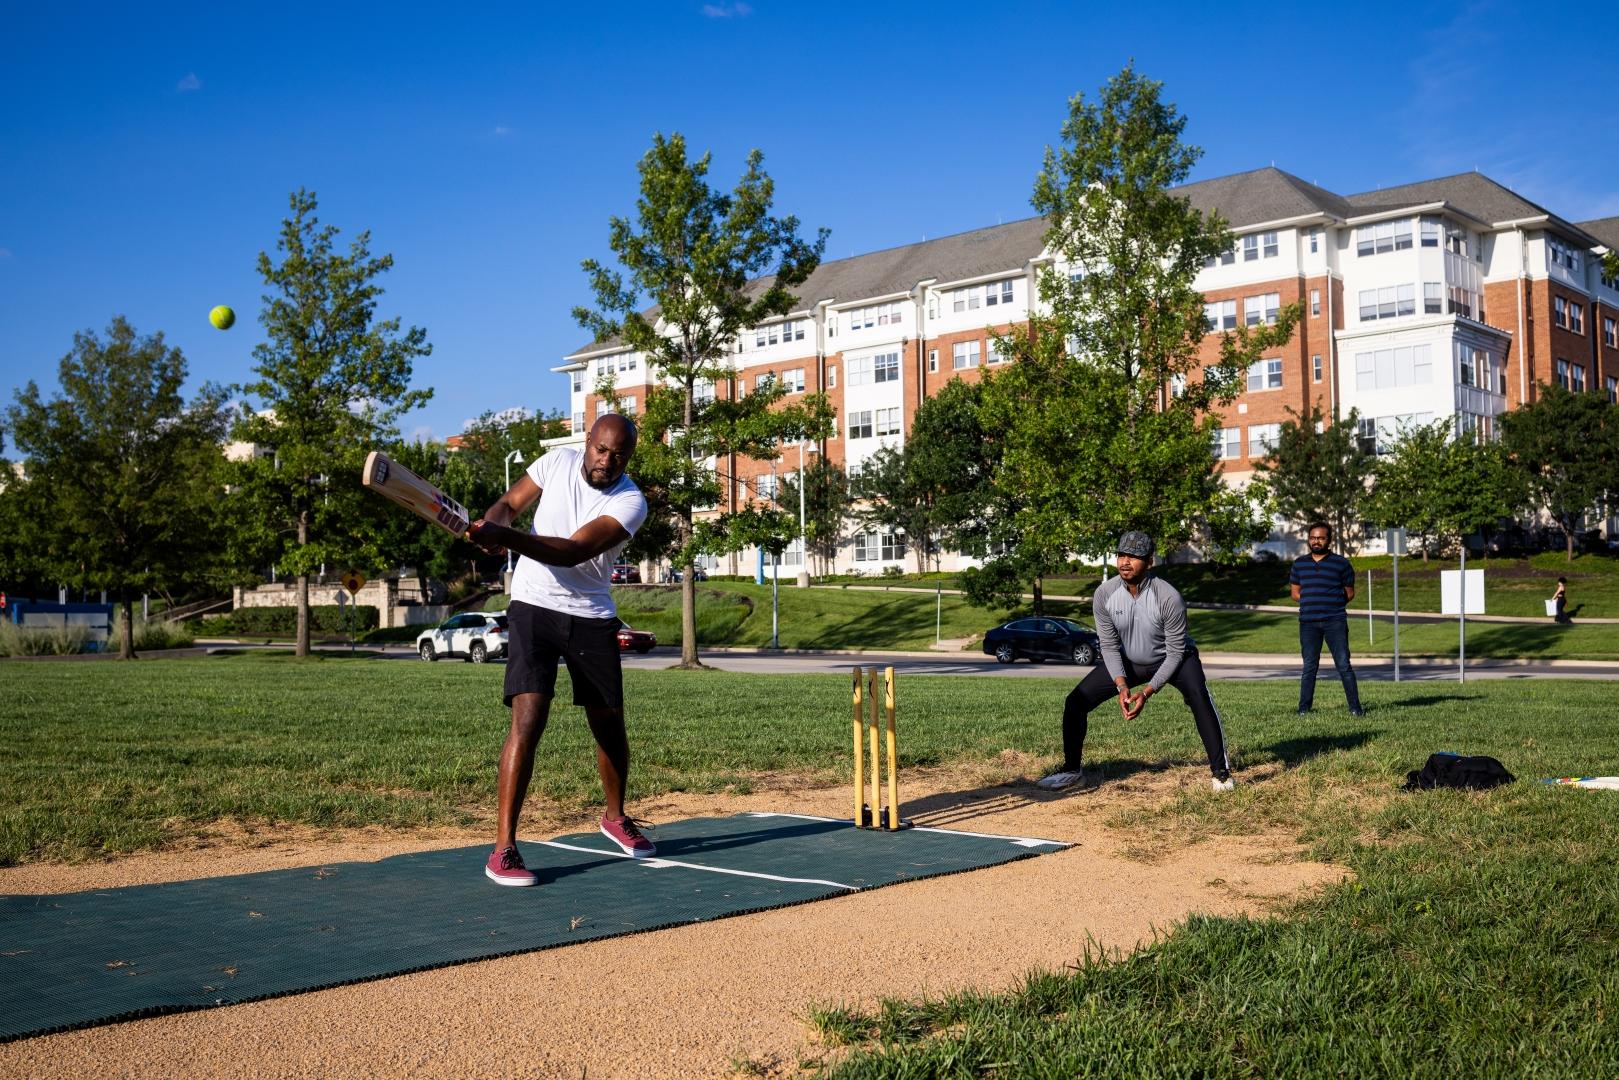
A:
(479, 654)
(1084, 655)
(1005, 653)
(427, 652)
(643, 648)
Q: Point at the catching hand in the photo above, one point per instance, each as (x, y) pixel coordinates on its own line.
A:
(487, 544)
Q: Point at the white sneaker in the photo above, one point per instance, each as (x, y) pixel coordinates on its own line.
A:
(1057, 781)
(1228, 784)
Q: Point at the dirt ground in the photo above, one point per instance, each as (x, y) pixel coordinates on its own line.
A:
(713, 999)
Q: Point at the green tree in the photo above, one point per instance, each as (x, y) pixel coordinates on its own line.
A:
(476, 473)
(889, 498)
(1567, 445)
(826, 503)
(1441, 487)
(1095, 441)
(332, 382)
(712, 264)
(123, 474)
(1318, 469)
(1407, 478)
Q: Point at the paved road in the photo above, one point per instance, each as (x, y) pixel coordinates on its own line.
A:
(1218, 665)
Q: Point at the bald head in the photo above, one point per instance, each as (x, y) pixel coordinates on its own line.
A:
(608, 448)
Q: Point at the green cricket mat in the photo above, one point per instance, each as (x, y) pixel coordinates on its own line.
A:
(74, 960)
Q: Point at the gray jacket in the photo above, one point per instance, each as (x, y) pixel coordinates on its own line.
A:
(1149, 629)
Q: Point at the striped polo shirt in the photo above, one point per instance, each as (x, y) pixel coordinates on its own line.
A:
(1321, 587)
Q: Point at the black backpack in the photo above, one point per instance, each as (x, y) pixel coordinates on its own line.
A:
(1458, 771)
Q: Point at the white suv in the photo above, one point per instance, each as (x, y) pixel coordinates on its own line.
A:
(474, 635)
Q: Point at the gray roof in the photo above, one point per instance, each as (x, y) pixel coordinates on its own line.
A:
(1269, 194)
(995, 249)
(1472, 193)
(1604, 229)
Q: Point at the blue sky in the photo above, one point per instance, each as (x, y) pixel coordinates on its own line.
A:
(147, 151)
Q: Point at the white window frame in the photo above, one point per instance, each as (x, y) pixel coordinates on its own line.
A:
(1265, 374)
(965, 355)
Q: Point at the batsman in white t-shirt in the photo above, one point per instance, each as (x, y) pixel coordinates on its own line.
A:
(562, 609)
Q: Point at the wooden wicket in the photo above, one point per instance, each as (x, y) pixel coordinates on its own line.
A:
(869, 711)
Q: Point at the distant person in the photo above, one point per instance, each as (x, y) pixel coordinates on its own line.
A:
(562, 609)
(1560, 601)
(1141, 620)
(1323, 584)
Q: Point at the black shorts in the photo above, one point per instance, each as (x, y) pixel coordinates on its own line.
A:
(539, 636)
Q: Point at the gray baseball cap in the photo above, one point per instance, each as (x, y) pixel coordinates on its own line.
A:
(1135, 543)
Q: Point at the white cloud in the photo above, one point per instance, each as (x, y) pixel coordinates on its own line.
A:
(189, 83)
(421, 433)
(501, 131)
(738, 10)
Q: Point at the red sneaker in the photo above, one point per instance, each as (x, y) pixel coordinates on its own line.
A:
(626, 833)
(505, 867)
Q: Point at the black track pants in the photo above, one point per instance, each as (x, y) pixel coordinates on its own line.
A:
(1097, 687)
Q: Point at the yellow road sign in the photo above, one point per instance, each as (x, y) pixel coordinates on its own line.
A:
(353, 581)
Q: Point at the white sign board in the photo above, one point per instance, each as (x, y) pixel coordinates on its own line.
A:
(1451, 589)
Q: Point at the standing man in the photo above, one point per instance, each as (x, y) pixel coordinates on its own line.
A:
(1141, 620)
(562, 608)
(1323, 584)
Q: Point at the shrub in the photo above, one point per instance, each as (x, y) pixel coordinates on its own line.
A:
(283, 621)
(152, 634)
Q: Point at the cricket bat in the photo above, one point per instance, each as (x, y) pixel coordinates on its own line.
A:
(387, 477)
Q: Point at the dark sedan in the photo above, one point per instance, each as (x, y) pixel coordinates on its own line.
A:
(1040, 639)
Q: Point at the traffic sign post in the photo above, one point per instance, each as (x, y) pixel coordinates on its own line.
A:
(353, 581)
(1395, 538)
(1461, 593)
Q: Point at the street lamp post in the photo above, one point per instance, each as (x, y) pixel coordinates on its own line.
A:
(775, 576)
(803, 535)
(517, 456)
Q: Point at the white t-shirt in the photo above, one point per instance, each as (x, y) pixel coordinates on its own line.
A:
(567, 504)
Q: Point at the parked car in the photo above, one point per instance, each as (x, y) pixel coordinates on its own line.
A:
(673, 576)
(639, 640)
(626, 574)
(472, 635)
(1040, 639)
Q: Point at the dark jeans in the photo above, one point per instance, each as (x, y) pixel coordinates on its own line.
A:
(1097, 687)
(1336, 635)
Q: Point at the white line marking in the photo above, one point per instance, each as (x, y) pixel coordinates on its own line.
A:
(1020, 841)
(660, 863)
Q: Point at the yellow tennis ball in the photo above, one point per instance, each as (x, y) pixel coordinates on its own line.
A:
(222, 317)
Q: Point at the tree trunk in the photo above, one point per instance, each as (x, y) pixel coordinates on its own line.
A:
(301, 648)
(126, 648)
(1039, 596)
(1568, 538)
(688, 616)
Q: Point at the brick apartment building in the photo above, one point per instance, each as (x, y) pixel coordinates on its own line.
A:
(1444, 298)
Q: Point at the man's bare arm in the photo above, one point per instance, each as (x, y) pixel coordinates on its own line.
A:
(1295, 593)
(518, 498)
(593, 538)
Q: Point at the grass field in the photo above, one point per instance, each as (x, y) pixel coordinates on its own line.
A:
(1475, 938)
(738, 613)
(1512, 586)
